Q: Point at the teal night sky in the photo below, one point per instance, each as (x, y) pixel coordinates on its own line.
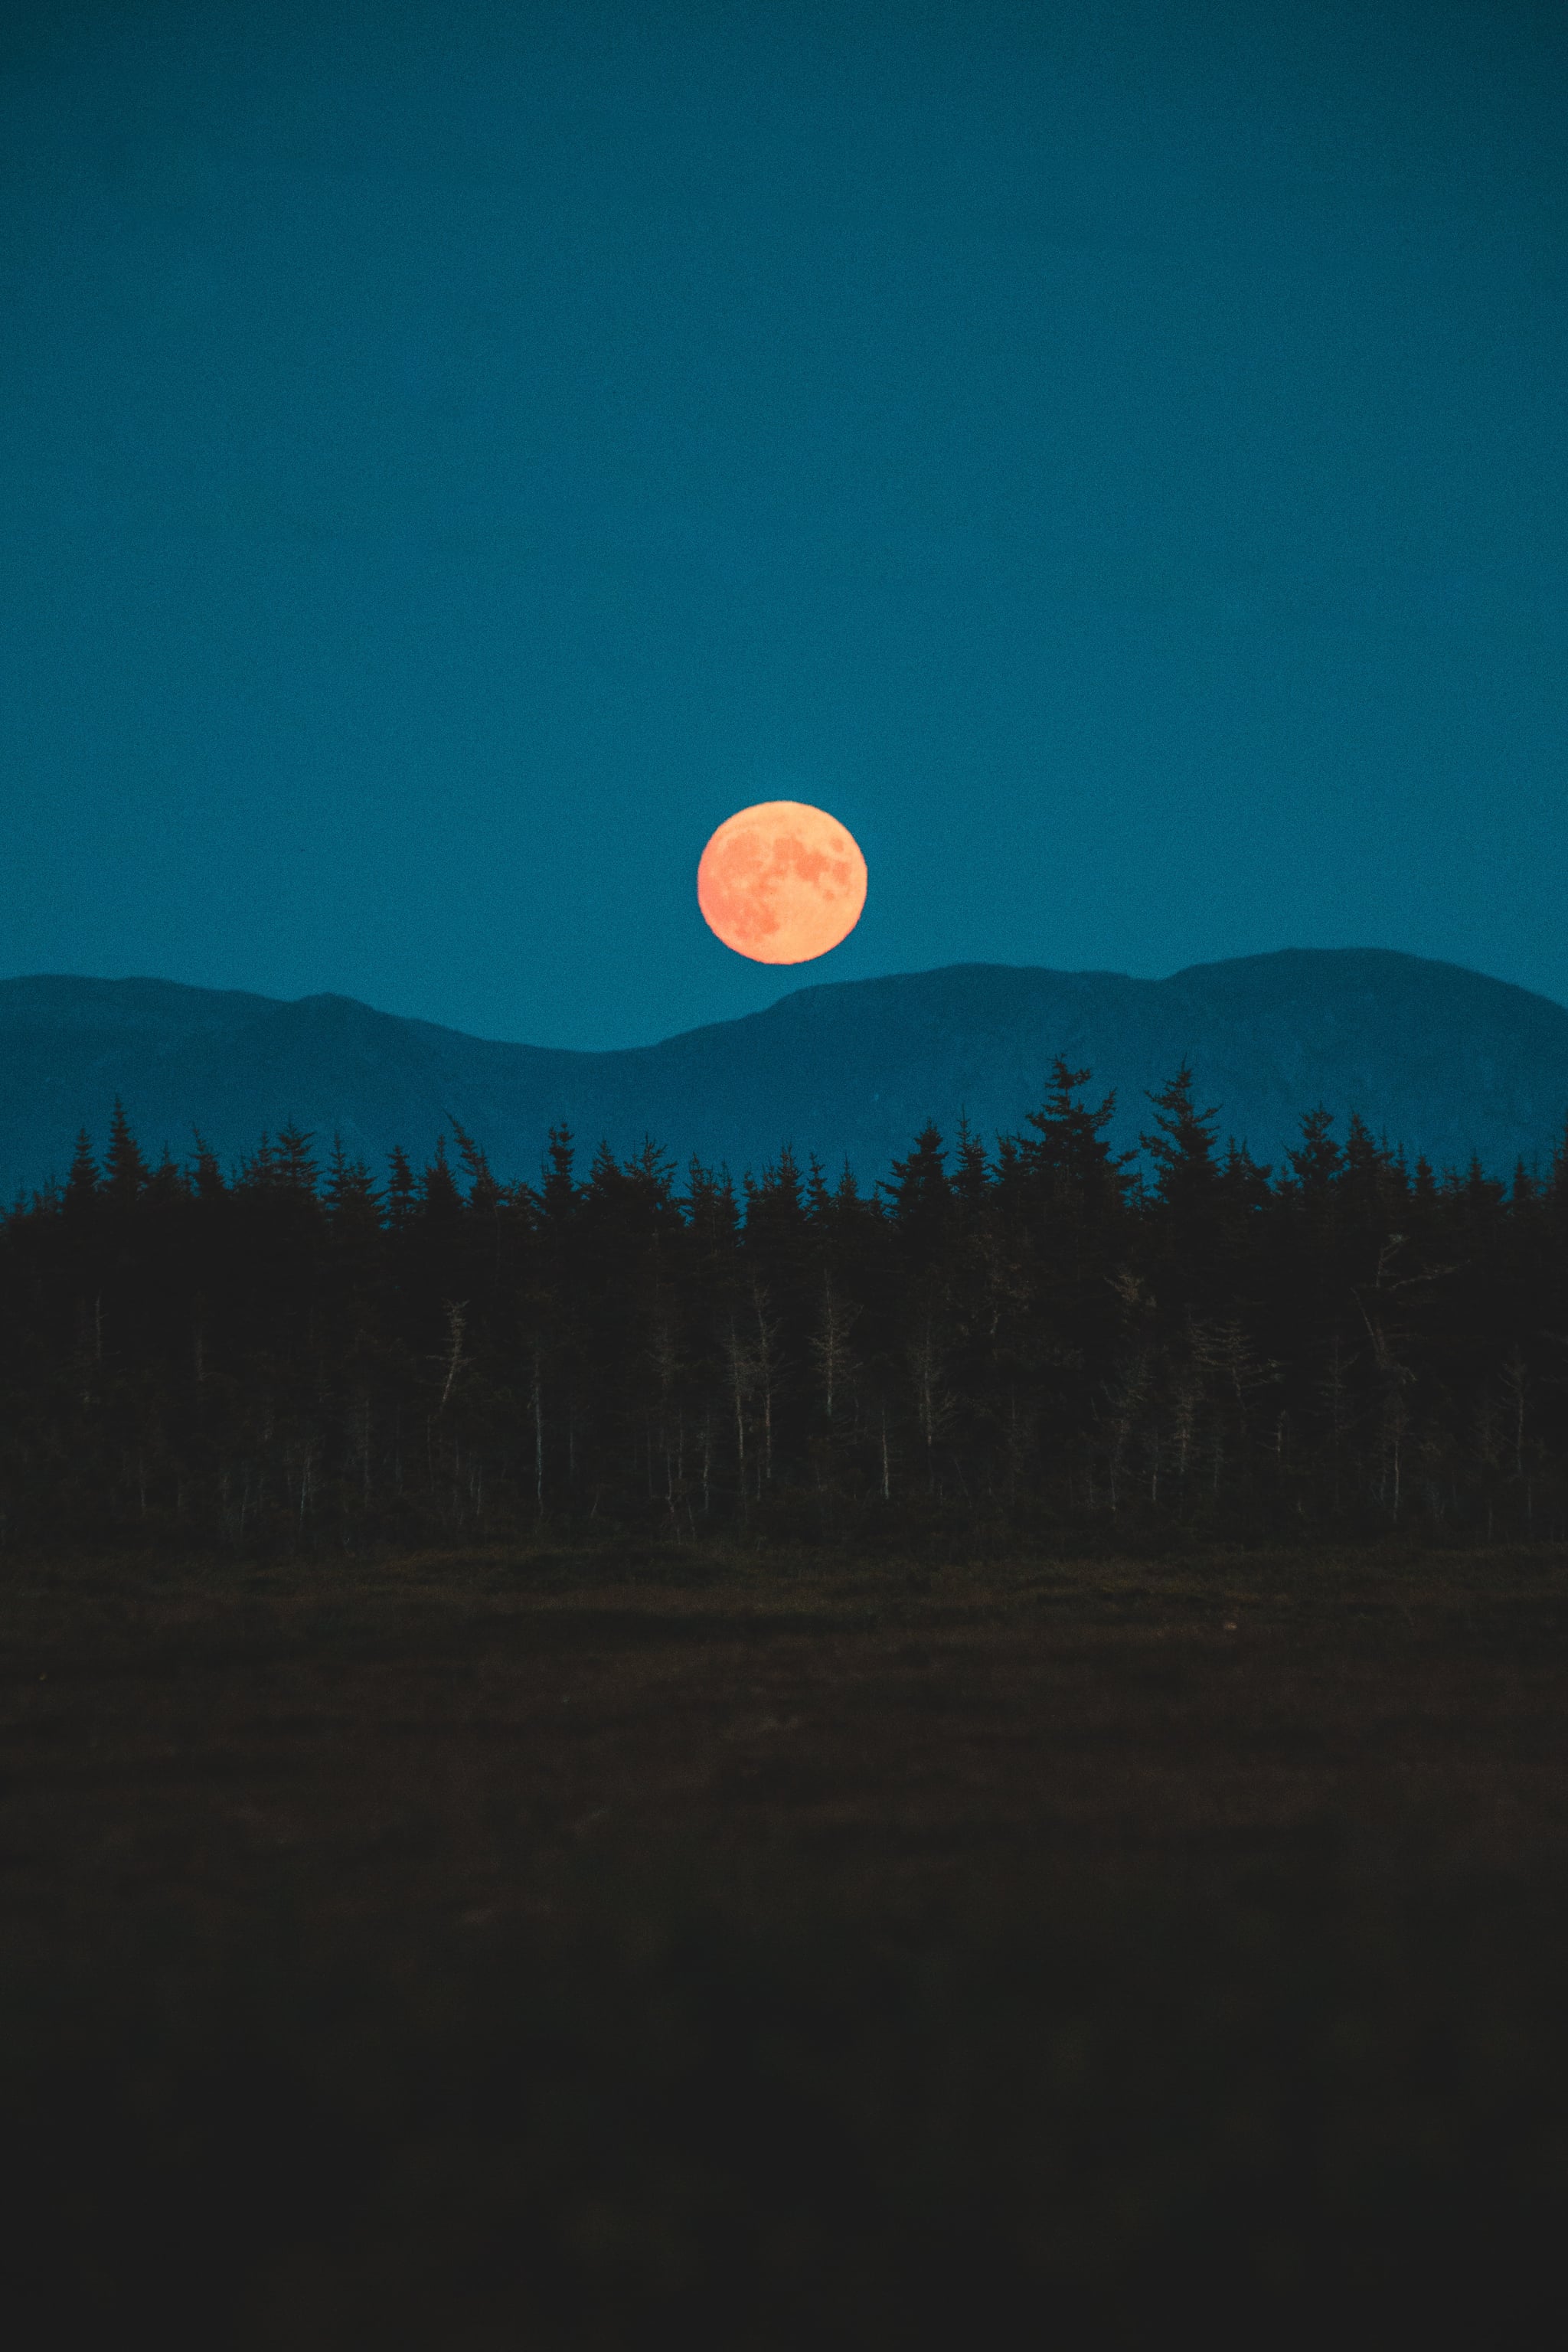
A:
(453, 455)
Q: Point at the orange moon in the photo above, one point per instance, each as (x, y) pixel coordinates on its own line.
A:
(782, 882)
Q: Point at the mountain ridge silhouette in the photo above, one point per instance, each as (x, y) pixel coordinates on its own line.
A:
(1444, 1062)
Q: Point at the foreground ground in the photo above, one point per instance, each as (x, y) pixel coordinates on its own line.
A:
(583, 1947)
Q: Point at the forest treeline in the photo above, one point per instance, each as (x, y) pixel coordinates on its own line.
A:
(1041, 1336)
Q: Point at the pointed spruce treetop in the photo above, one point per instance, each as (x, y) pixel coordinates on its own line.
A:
(125, 1170)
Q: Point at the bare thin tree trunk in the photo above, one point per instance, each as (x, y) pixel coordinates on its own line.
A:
(767, 1332)
(457, 1317)
(538, 1434)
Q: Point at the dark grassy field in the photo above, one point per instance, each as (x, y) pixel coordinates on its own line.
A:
(607, 1949)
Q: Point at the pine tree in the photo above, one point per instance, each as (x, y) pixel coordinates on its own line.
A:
(971, 1176)
(440, 1202)
(293, 1164)
(1315, 1161)
(401, 1191)
(1070, 1152)
(1186, 1171)
(558, 1193)
(921, 1200)
(485, 1195)
(207, 1176)
(352, 1202)
(124, 1170)
(81, 1196)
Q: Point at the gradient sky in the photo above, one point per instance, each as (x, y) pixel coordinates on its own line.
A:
(453, 455)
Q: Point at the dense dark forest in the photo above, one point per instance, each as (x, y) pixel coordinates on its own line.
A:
(1042, 1338)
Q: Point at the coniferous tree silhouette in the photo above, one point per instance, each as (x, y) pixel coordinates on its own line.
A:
(1034, 1337)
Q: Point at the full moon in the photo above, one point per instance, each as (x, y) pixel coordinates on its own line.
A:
(782, 882)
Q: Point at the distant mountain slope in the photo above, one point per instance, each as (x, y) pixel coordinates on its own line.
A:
(1442, 1060)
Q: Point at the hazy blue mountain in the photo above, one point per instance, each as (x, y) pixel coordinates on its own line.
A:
(1440, 1059)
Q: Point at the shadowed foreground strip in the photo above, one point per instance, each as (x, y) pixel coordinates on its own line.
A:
(595, 1948)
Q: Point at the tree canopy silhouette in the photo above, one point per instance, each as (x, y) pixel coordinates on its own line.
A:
(1038, 1336)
